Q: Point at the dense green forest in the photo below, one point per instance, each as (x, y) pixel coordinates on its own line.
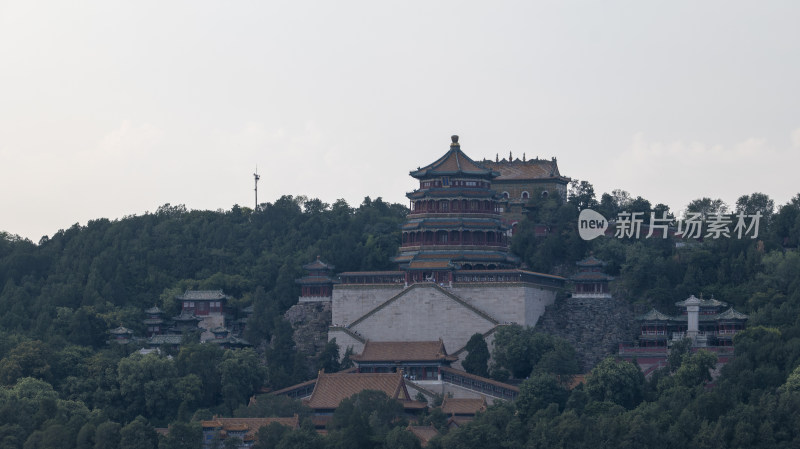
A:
(755, 401)
(64, 386)
(61, 296)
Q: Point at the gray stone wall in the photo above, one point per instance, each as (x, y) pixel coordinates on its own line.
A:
(345, 340)
(428, 312)
(351, 302)
(595, 326)
(508, 303)
(424, 313)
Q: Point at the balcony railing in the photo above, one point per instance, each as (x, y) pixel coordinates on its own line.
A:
(453, 212)
(459, 245)
(591, 295)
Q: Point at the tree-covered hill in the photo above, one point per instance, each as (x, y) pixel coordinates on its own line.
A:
(83, 280)
(754, 275)
(62, 385)
(755, 401)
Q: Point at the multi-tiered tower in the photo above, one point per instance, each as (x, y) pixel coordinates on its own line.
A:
(455, 273)
(317, 285)
(454, 223)
(590, 281)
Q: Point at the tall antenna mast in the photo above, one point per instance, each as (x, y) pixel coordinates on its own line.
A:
(257, 177)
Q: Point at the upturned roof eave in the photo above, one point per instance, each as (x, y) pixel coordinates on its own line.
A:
(470, 193)
(461, 159)
(425, 173)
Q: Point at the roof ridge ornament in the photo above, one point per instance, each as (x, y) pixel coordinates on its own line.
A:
(454, 140)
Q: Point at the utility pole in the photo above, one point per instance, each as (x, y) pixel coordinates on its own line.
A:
(257, 177)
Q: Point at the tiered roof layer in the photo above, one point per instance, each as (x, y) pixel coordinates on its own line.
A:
(331, 389)
(398, 351)
(454, 163)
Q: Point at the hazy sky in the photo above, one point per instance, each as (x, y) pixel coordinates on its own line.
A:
(114, 108)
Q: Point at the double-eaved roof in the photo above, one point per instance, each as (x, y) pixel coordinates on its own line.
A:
(454, 163)
(331, 389)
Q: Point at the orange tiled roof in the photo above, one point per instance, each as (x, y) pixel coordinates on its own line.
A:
(249, 425)
(305, 384)
(332, 389)
(396, 351)
(292, 387)
(463, 406)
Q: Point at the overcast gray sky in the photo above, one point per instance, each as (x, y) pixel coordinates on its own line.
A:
(114, 108)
